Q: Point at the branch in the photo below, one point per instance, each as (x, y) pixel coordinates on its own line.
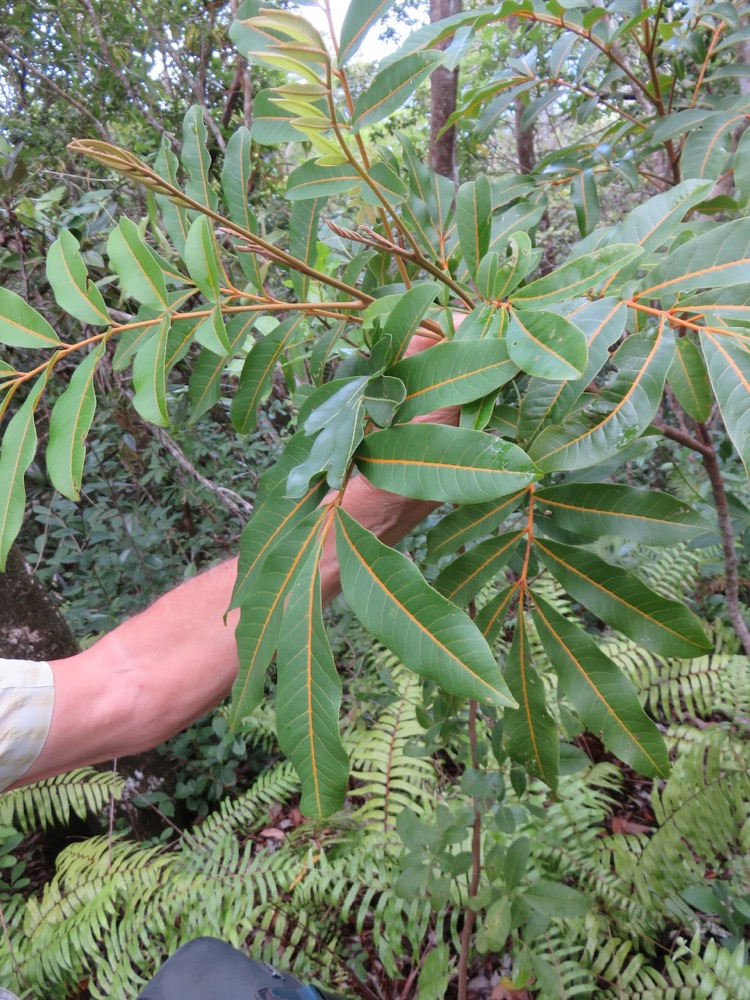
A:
(732, 588)
(233, 502)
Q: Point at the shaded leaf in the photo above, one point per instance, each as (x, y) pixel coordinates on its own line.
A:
(474, 220)
(601, 694)
(139, 273)
(150, 376)
(196, 159)
(492, 615)
(585, 198)
(689, 380)
(313, 180)
(16, 455)
(174, 216)
(468, 522)
(403, 320)
(359, 18)
(576, 276)
(729, 370)
(257, 374)
(461, 580)
(201, 258)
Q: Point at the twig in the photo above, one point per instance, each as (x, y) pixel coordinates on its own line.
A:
(732, 588)
(681, 437)
(233, 502)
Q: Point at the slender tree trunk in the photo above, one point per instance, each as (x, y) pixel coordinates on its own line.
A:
(31, 626)
(444, 92)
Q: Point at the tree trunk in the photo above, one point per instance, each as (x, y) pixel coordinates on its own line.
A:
(31, 626)
(444, 91)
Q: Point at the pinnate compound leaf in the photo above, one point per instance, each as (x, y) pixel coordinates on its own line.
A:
(576, 277)
(595, 509)
(450, 464)
(729, 371)
(73, 290)
(468, 522)
(393, 86)
(22, 326)
(308, 697)
(196, 159)
(452, 373)
(600, 693)
(150, 376)
(359, 18)
(139, 273)
(462, 579)
(529, 731)
(620, 413)
(202, 258)
(16, 455)
(624, 602)
(261, 612)
(689, 380)
(545, 344)
(430, 635)
(69, 425)
(474, 220)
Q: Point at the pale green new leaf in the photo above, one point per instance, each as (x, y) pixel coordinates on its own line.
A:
(602, 696)
(451, 464)
(461, 580)
(624, 601)
(313, 180)
(196, 159)
(140, 276)
(359, 18)
(529, 731)
(474, 220)
(689, 380)
(308, 697)
(22, 326)
(729, 370)
(16, 455)
(468, 522)
(392, 87)
(430, 635)
(546, 345)
(69, 425)
(201, 258)
(452, 373)
(73, 290)
(595, 509)
(261, 613)
(618, 415)
(150, 376)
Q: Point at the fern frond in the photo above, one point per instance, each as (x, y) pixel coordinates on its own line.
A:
(53, 801)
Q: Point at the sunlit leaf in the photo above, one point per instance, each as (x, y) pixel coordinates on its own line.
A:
(22, 326)
(73, 289)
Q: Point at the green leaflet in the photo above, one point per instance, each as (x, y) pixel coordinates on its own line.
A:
(529, 731)
(69, 425)
(392, 87)
(257, 374)
(308, 697)
(211, 332)
(22, 326)
(73, 290)
(546, 344)
(139, 273)
(624, 601)
(313, 180)
(16, 455)
(303, 240)
(461, 580)
(389, 185)
(196, 160)
(576, 276)
(205, 378)
(492, 615)
(452, 373)
(689, 380)
(474, 220)
(403, 320)
(653, 223)
(150, 376)
(174, 217)
(453, 464)
(600, 693)
(468, 522)
(585, 198)
(261, 612)
(429, 634)
(618, 415)
(359, 18)
(706, 148)
(201, 258)
(729, 371)
(595, 509)
(272, 124)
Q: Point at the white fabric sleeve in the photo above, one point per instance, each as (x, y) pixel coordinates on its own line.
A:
(27, 696)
